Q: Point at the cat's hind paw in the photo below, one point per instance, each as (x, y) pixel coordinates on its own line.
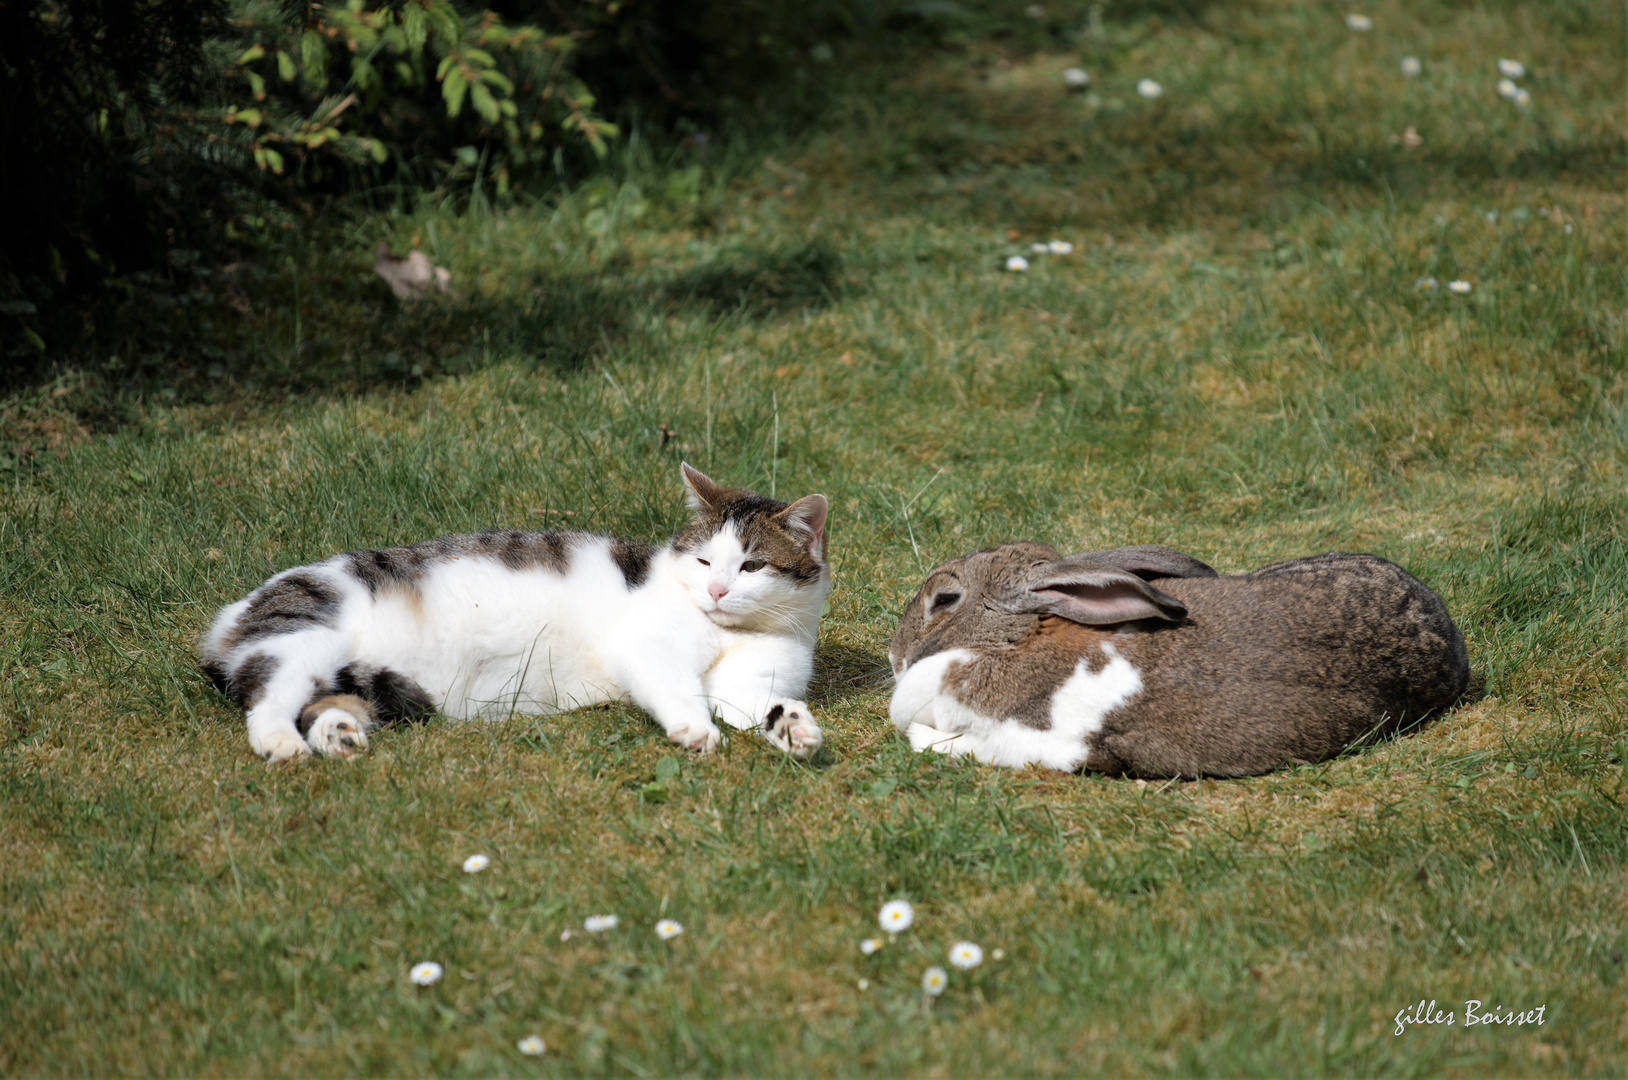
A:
(337, 734)
(279, 746)
(790, 726)
(697, 738)
(337, 726)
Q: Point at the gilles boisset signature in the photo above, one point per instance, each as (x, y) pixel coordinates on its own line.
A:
(1474, 1013)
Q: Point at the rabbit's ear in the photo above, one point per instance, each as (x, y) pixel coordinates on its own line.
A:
(1148, 561)
(1096, 594)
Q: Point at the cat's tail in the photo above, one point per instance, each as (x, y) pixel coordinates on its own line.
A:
(392, 696)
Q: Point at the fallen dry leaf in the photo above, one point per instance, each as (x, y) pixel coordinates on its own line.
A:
(410, 278)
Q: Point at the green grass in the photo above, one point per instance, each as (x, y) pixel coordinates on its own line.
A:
(1234, 361)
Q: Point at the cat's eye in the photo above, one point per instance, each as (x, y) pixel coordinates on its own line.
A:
(944, 600)
(702, 561)
(752, 566)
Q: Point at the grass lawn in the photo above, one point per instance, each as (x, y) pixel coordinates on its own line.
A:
(1239, 358)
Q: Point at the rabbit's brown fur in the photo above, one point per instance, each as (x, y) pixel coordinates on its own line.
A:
(1238, 675)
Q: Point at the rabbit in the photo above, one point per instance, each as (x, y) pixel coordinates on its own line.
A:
(1143, 661)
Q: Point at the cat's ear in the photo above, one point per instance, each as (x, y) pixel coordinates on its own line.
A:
(703, 494)
(807, 516)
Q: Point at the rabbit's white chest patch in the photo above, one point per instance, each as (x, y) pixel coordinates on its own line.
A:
(935, 719)
(1081, 704)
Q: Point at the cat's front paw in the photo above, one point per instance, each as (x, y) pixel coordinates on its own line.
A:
(697, 738)
(790, 725)
(280, 746)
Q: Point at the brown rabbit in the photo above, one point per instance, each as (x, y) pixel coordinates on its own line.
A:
(1143, 661)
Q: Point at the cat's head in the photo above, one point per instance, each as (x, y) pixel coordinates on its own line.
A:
(751, 562)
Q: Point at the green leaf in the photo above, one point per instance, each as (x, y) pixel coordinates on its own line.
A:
(415, 24)
(252, 53)
(499, 80)
(285, 66)
(449, 27)
(467, 156)
(257, 85)
(484, 103)
(314, 54)
(452, 88)
(668, 768)
(34, 339)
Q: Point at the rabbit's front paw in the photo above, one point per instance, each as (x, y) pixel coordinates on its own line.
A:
(790, 725)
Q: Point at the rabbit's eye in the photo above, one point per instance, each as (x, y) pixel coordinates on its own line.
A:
(944, 600)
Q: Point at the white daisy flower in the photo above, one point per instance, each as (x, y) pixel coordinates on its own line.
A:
(998, 954)
(1059, 247)
(476, 863)
(1149, 89)
(668, 929)
(1359, 23)
(1425, 284)
(1512, 69)
(1039, 249)
(1035, 11)
(427, 973)
(869, 945)
(597, 923)
(531, 1045)
(1507, 89)
(1076, 78)
(1568, 228)
(896, 915)
(1411, 67)
(965, 955)
(1017, 264)
(933, 981)
(1523, 99)
(565, 935)
(1458, 287)
(864, 984)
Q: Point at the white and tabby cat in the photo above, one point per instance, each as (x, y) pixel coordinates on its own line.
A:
(721, 620)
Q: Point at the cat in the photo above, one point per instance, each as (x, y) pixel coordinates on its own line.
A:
(720, 620)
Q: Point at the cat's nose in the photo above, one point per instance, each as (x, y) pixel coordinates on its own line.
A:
(717, 590)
